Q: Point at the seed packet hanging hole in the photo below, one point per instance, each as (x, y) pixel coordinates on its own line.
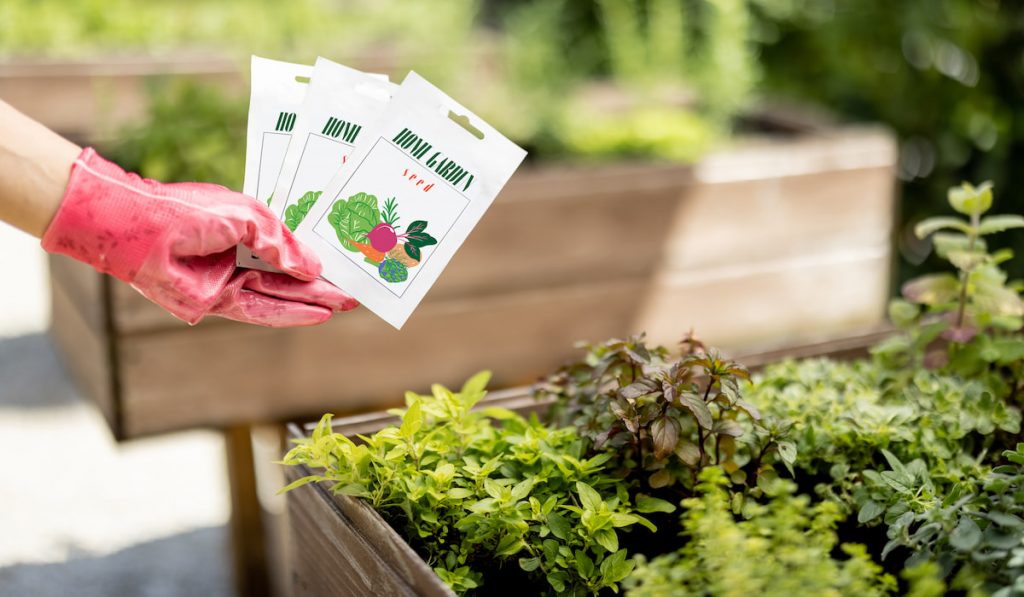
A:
(463, 121)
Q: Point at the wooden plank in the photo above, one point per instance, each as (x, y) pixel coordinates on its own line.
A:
(342, 547)
(85, 288)
(232, 373)
(355, 364)
(752, 221)
(783, 302)
(248, 545)
(84, 348)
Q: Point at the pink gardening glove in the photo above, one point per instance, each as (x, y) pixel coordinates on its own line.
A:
(175, 243)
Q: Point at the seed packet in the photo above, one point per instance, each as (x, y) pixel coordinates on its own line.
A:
(417, 183)
(278, 89)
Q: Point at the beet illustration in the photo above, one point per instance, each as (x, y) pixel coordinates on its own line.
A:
(383, 237)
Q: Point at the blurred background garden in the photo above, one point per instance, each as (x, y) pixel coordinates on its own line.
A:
(160, 87)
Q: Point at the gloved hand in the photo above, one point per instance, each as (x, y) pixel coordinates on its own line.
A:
(175, 243)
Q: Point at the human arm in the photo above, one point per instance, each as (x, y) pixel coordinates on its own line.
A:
(34, 167)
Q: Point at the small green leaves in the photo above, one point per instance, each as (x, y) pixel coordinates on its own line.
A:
(869, 511)
(590, 499)
(970, 200)
(932, 289)
(926, 228)
(412, 420)
(646, 504)
(966, 536)
(993, 224)
(616, 567)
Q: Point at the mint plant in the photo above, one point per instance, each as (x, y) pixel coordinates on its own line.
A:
(477, 489)
(666, 418)
(942, 314)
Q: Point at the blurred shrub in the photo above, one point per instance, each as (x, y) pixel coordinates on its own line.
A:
(297, 29)
(945, 74)
(610, 78)
(192, 132)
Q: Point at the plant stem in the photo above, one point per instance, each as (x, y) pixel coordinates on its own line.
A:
(971, 239)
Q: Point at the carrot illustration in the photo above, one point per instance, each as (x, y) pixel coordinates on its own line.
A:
(371, 254)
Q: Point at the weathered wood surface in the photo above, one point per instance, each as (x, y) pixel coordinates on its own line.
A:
(342, 547)
(173, 380)
(339, 541)
(81, 337)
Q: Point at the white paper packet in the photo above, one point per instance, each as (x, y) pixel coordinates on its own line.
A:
(415, 186)
(340, 103)
(277, 91)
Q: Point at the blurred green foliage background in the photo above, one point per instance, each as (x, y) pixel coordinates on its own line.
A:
(596, 79)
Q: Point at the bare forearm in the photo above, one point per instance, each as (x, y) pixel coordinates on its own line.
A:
(34, 167)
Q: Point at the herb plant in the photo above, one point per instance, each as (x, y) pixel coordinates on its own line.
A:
(783, 547)
(665, 418)
(942, 314)
(474, 496)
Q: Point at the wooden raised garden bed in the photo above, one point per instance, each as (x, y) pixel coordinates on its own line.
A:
(773, 239)
(340, 544)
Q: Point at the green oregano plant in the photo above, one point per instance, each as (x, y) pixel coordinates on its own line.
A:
(666, 417)
(783, 547)
(486, 491)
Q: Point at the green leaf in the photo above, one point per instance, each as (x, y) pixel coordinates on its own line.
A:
(947, 242)
(992, 224)
(966, 535)
(967, 260)
(559, 525)
(417, 226)
(607, 539)
(477, 383)
(299, 483)
(412, 251)
(903, 313)
(529, 564)
(509, 545)
(932, 289)
(459, 493)
(590, 499)
(584, 565)
(646, 504)
(616, 567)
(787, 451)
(660, 479)
(412, 420)
(522, 489)
(869, 511)
(970, 200)
(932, 225)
